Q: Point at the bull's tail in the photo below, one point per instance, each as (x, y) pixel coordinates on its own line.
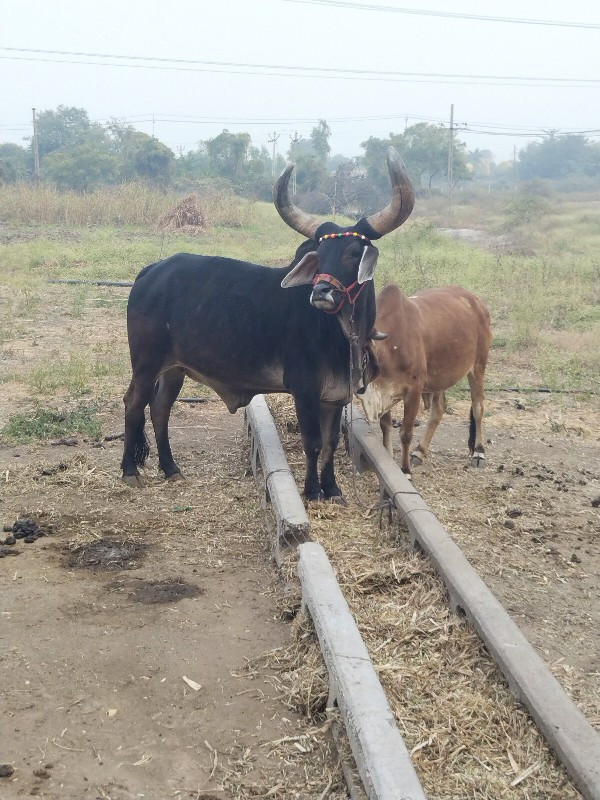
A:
(472, 432)
(141, 445)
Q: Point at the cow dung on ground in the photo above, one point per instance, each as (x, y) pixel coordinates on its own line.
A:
(106, 554)
(149, 593)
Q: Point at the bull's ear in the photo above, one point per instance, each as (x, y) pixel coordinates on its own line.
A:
(303, 273)
(368, 262)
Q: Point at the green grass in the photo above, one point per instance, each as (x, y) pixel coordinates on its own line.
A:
(77, 374)
(45, 424)
(543, 290)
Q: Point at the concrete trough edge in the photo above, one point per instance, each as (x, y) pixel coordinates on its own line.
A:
(274, 479)
(379, 751)
(564, 726)
(381, 756)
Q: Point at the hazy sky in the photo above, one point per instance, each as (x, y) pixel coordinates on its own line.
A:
(348, 49)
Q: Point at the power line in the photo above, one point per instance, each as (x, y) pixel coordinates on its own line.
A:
(321, 73)
(447, 14)
(475, 127)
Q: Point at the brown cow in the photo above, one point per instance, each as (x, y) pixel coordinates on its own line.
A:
(435, 338)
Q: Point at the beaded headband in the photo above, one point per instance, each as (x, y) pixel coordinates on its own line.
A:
(346, 233)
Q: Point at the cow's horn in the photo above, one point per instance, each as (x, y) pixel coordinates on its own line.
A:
(293, 216)
(403, 197)
(377, 336)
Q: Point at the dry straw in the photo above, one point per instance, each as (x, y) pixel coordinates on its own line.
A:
(186, 217)
(468, 736)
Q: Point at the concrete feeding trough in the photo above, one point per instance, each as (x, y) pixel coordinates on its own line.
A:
(381, 756)
(275, 482)
(566, 729)
(379, 751)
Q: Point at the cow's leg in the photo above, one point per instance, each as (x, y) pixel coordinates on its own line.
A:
(308, 413)
(385, 423)
(148, 348)
(436, 412)
(136, 448)
(330, 432)
(412, 402)
(167, 388)
(476, 447)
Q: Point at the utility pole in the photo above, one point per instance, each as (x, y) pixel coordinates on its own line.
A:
(294, 139)
(153, 126)
(274, 140)
(450, 156)
(36, 150)
(515, 164)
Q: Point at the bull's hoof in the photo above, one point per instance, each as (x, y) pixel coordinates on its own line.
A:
(478, 460)
(176, 476)
(338, 499)
(415, 460)
(134, 481)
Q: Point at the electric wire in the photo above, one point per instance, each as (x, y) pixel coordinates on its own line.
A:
(446, 14)
(321, 73)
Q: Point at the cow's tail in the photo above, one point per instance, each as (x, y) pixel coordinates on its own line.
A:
(472, 432)
(141, 445)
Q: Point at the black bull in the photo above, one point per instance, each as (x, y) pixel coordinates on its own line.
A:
(245, 329)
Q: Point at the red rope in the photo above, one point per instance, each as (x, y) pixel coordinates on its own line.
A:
(345, 291)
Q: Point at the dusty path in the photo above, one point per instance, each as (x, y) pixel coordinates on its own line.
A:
(133, 591)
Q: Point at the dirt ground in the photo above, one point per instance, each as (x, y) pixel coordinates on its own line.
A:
(128, 631)
(135, 599)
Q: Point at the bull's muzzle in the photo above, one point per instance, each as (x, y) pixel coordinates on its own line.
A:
(322, 297)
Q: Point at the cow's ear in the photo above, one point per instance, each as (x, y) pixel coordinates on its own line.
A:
(368, 262)
(303, 272)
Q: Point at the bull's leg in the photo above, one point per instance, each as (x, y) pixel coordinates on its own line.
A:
(476, 447)
(411, 408)
(148, 347)
(308, 412)
(167, 388)
(136, 448)
(330, 432)
(385, 423)
(436, 412)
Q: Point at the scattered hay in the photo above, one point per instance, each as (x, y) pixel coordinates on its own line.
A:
(187, 217)
(467, 734)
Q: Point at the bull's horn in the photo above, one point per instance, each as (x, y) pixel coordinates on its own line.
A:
(293, 216)
(403, 197)
(377, 336)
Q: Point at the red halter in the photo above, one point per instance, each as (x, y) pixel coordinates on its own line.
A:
(345, 291)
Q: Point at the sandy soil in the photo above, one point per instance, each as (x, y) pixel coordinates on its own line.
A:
(128, 631)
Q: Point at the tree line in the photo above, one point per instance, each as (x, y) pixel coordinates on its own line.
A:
(78, 154)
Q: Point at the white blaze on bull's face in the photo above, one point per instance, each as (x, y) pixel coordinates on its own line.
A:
(377, 399)
(372, 402)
